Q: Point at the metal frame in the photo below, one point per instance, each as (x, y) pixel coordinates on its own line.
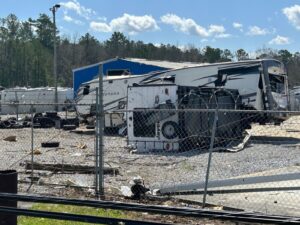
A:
(231, 182)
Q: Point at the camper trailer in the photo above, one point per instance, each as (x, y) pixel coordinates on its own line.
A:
(18, 100)
(114, 98)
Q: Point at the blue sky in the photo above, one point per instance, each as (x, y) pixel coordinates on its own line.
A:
(228, 24)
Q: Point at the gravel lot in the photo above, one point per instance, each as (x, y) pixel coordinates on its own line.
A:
(157, 169)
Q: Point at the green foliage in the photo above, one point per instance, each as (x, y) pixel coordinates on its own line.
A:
(26, 53)
(22, 220)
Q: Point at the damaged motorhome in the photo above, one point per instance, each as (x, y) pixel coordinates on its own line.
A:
(171, 117)
(178, 115)
(262, 84)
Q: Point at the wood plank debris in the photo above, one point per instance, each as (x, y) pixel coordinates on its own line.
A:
(57, 167)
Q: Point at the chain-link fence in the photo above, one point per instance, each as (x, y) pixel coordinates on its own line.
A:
(227, 158)
(49, 149)
(232, 159)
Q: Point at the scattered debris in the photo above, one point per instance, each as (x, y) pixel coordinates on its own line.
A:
(33, 178)
(68, 183)
(126, 191)
(83, 131)
(11, 138)
(50, 144)
(81, 146)
(37, 152)
(138, 189)
(68, 168)
(236, 145)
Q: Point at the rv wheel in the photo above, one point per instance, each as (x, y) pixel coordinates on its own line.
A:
(170, 130)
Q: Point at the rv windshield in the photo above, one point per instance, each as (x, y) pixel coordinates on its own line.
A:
(277, 83)
(277, 76)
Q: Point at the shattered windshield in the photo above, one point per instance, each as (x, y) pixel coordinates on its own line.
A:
(277, 74)
(277, 83)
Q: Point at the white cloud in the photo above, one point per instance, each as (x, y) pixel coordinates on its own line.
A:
(100, 27)
(80, 10)
(223, 35)
(189, 26)
(72, 20)
(279, 40)
(238, 26)
(293, 15)
(134, 24)
(127, 23)
(257, 31)
(216, 29)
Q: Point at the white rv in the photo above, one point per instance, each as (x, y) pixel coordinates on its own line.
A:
(114, 98)
(262, 84)
(154, 124)
(18, 100)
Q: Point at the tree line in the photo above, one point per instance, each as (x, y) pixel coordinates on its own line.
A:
(26, 53)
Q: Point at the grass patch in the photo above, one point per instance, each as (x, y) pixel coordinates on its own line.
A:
(23, 220)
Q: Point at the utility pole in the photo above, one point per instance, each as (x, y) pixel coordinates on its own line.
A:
(53, 10)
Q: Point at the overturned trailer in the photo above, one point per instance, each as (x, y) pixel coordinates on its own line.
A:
(178, 115)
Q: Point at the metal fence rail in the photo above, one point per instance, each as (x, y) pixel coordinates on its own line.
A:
(164, 210)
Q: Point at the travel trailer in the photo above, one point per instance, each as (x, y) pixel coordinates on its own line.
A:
(114, 98)
(18, 100)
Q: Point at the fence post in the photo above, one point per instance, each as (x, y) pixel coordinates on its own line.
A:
(32, 144)
(212, 140)
(97, 144)
(99, 135)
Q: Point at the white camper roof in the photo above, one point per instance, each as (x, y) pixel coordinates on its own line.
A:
(165, 64)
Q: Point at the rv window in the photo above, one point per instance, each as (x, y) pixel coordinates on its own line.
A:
(224, 75)
(118, 72)
(86, 90)
(277, 84)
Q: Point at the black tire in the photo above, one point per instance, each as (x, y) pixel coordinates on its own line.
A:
(50, 144)
(6, 124)
(69, 127)
(170, 126)
(90, 127)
